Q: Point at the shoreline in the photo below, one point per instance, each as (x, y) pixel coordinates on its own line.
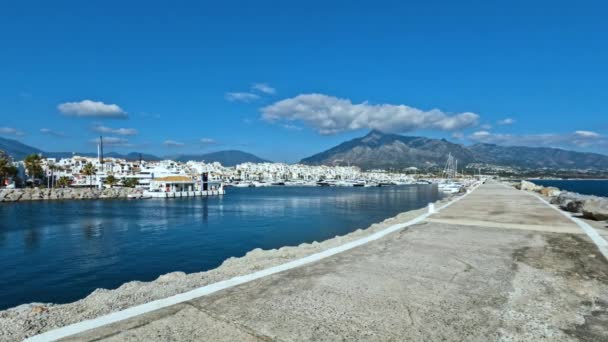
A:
(47, 316)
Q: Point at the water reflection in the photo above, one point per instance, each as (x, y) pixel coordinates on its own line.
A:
(75, 247)
(31, 238)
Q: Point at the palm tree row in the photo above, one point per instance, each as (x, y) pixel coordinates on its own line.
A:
(33, 167)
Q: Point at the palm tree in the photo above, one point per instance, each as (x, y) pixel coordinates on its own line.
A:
(130, 182)
(64, 181)
(4, 165)
(54, 167)
(111, 180)
(89, 170)
(33, 166)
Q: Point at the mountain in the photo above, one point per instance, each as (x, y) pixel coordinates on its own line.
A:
(537, 157)
(19, 151)
(226, 158)
(380, 150)
(16, 149)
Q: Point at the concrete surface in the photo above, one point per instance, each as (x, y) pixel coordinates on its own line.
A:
(464, 274)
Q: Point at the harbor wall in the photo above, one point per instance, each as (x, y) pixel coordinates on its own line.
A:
(37, 194)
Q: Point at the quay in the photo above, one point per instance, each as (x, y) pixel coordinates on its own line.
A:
(496, 265)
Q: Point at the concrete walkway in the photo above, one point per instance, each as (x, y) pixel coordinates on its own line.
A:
(497, 265)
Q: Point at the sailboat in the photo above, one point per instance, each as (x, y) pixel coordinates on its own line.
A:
(449, 184)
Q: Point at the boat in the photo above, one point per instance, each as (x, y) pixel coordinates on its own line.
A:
(449, 187)
(242, 185)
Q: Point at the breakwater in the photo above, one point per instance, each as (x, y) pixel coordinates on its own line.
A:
(480, 268)
(596, 187)
(589, 206)
(38, 194)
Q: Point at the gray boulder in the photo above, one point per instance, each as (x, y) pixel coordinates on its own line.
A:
(596, 209)
(529, 186)
(571, 201)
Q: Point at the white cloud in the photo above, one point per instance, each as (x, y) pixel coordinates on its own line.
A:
(112, 141)
(173, 143)
(207, 141)
(92, 109)
(486, 126)
(330, 115)
(118, 131)
(458, 135)
(507, 121)
(11, 131)
(291, 127)
(241, 97)
(587, 134)
(125, 131)
(52, 132)
(577, 139)
(263, 88)
(481, 134)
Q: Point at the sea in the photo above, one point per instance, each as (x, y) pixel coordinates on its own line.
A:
(60, 251)
(597, 187)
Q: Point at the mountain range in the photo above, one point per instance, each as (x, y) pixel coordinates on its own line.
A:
(19, 151)
(382, 150)
(378, 150)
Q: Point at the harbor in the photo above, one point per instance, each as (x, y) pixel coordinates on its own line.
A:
(478, 268)
(304, 171)
(123, 240)
(114, 178)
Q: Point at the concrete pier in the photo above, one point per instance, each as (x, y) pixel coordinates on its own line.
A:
(496, 265)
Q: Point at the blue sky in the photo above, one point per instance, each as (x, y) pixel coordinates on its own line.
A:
(286, 79)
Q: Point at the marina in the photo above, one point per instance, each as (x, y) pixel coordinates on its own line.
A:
(321, 171)
(476, 251)
(60, 251)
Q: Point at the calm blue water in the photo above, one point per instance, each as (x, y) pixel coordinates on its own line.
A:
(587, 187)
(61, 251)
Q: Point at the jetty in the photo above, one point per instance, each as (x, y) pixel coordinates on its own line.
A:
(495, 264)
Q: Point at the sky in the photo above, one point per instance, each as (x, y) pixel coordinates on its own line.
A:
(286, 79)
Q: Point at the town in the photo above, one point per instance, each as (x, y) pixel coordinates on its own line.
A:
(79, 171)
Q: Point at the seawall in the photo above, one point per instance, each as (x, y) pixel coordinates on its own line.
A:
(38, 194)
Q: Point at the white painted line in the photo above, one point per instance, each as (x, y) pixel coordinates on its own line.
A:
(114, 317)
(597, 239)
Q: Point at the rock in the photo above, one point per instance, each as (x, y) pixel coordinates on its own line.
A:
(37, 194)
(529, 186)
(596, 209)
(550, 191)
(37, 309)
(570, 201)
(171, 276)
(3, 194)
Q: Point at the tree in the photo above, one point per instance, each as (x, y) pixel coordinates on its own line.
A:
(33, 166)
(89, 170)
(111, 181)
(64, 181)
(130, 182)
(53, 167)
(4, 166)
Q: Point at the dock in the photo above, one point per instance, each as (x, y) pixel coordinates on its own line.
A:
(498, 264)
(179, 194)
